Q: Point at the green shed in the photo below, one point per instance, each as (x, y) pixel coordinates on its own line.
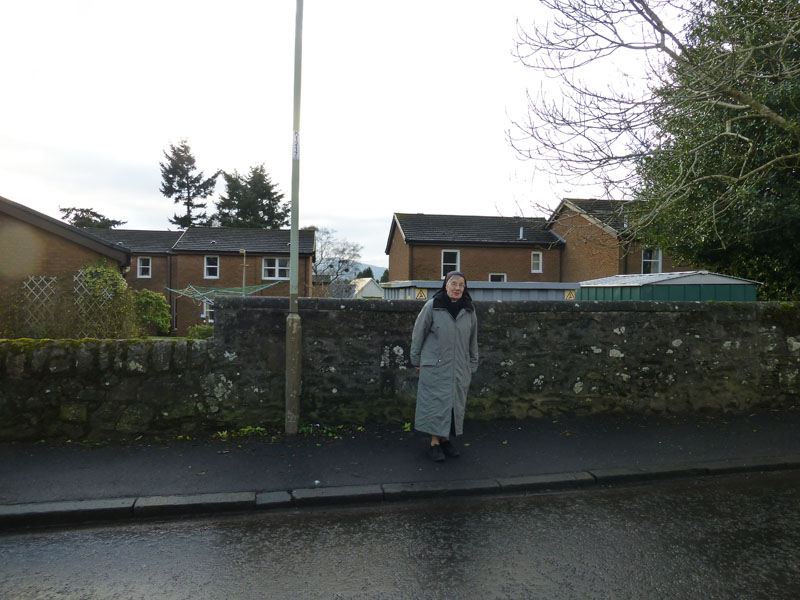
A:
(683, 286)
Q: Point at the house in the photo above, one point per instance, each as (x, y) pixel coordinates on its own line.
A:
(232, 260)
(33, 244)
(366, 288)
(596, 245)
(497, 249)
(212, 260)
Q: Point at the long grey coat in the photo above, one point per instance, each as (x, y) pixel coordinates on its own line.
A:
(446, 351)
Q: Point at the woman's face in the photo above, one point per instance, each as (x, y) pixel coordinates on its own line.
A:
(455, 287)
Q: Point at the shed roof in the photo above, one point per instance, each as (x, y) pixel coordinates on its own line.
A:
(467, 230)
(678, 277)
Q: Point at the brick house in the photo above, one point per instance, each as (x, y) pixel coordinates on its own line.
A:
(426, 247)
(595, 244)
(34, 244)
(212, 257)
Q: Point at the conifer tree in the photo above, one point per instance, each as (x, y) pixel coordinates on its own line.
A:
(87, 217)
(251, 201)
(185, 185)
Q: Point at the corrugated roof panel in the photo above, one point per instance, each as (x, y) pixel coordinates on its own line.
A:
(683, 277)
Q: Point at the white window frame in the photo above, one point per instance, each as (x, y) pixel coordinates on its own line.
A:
(208, 313)
(207, 267)
(273, 271)
(457, 266)
(655, 263)
(144, 271)
(503, 277)
(540, 257)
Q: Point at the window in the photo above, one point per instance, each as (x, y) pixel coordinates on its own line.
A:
(651, 260)
(208, 313)
(143, 267)
(497, 276)
(275, 268)
(451, 260)
(536, 262)
(211, 267)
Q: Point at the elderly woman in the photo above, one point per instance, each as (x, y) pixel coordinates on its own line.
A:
(444, 348)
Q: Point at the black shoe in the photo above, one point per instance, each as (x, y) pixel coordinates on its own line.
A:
(435, 453)
(449, 449)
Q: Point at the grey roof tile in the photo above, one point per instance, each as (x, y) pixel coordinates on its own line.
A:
(138, 241)
(474, 230)
(232, 239)
(205, 239)
(608, 212)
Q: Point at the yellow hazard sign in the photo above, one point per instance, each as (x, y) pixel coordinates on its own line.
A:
(422, 294)
(569, 294)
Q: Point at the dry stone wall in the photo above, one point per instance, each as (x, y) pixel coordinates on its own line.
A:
(537, 359)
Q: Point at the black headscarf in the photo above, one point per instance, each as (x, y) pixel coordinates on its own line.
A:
(442, 300)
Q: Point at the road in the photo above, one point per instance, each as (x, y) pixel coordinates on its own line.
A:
(713, 538)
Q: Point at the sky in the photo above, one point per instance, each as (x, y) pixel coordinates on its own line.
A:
(405, 106)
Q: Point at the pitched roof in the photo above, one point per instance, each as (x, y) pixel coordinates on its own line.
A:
(207, 239)
(232, 239)
(139, 241)
(610, 213)
(74, 234)
(471, 230)
(366, 287)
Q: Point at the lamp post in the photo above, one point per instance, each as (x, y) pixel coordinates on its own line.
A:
(244, 264)
(293, 325)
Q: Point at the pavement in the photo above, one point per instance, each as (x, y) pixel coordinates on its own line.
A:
(60, 483)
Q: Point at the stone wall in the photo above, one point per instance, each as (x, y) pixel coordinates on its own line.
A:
(537, 359)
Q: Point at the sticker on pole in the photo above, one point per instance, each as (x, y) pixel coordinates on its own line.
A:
(296, 146)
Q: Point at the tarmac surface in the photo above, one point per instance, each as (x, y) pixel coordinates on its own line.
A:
(67, 483)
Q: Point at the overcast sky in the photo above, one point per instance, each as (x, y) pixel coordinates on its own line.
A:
(405, 106)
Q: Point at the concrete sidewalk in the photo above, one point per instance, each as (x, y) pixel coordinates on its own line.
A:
(68, 483)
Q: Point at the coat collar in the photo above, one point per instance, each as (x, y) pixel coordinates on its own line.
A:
(440, 300)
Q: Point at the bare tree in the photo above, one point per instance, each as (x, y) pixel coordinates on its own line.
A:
(707, 139)
(602, 121)
(336, 260)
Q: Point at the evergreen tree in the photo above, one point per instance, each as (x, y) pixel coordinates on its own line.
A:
(385, 276)
(722, 189)
(87, 217)
(186, 186)
(252, 201)
(708, 145)
(366, 273)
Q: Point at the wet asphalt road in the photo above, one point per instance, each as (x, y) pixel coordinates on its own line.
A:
(732, 537)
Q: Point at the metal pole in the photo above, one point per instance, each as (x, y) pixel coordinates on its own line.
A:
(293, 325)
(244, 264)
